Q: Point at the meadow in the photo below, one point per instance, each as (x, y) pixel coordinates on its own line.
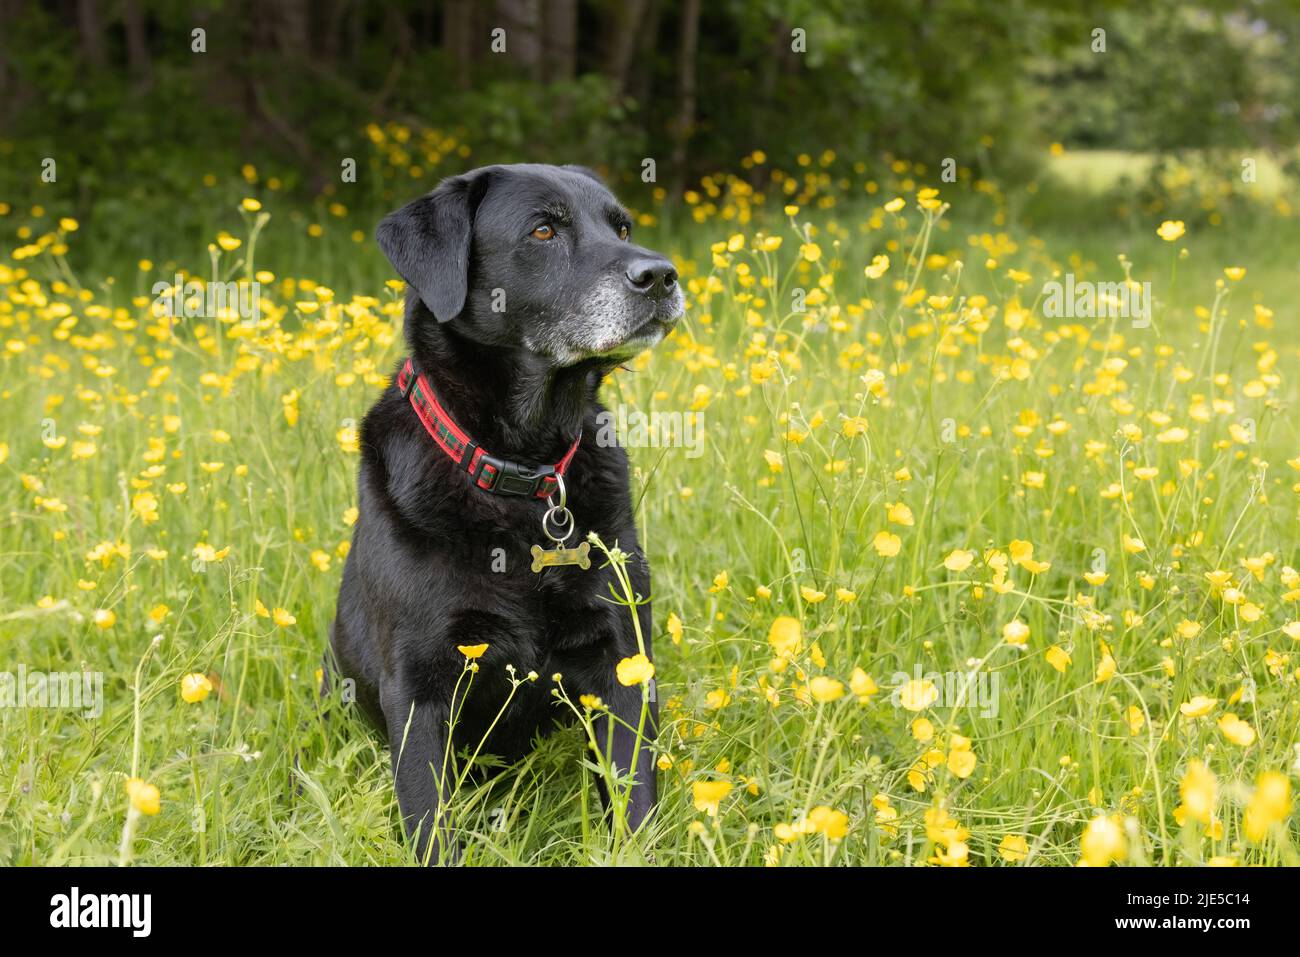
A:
(950, 582)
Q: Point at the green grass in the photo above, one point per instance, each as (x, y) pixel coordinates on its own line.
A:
(954, 394)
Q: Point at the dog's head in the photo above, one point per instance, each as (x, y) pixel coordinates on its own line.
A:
(537, 258)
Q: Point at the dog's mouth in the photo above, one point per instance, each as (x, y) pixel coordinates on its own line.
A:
(616, 328)
(652, 331)
(664, 314)
(645, 336)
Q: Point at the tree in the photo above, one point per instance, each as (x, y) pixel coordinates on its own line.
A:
(690, 38)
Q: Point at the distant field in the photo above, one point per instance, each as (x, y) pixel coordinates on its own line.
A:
(1098, 170)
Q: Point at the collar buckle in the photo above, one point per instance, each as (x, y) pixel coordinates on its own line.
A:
(510, 478)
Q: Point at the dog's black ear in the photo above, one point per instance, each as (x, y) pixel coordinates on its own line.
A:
(428, 243)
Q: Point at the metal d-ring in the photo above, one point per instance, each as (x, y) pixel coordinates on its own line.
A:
(558, 515)
(562, 518)
(564, 493)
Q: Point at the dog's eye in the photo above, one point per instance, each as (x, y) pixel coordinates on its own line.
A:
(544, 232)
(624, 232)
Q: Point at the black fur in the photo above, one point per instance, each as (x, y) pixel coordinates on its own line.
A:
(419, 580)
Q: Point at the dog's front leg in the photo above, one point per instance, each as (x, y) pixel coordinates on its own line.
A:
(627, 732)
(417, 737)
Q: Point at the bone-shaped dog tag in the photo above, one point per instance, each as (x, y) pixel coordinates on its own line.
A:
(543, 557)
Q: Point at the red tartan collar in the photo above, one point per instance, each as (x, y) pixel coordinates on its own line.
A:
(488, 472)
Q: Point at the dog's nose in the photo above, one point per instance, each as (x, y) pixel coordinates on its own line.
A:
(654, 277)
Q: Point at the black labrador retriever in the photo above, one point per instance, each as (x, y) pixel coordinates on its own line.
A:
(524, 291)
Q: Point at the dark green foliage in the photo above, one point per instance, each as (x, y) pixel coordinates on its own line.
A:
(290, 87)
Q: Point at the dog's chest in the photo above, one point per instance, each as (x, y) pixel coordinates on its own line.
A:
(475, 556)
(561, 603)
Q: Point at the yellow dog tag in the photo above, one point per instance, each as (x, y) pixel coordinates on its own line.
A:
(543, 558)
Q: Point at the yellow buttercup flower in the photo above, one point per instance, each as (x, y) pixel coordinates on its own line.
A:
(942, 828)
(636, 670)
(708, 795)
(956, 854)
(349, 439)
(145, 505)
(879, 266)
(1199, 790)
(918, 694)
(828, 822)
(862, 685)
(961, 762)
(887, 544)
(900, 514)
(1237, 731)
(1016, 633)
(825, 690)
(1103, 841)
(1013, 848)
(1022, 553)
(958, 560)
(811, 595)
(1197, 707)
(1171, 230)
(195, 687)
(1106, 667)
(473, 652)
(1135, 719)
(144, 796)
(785, 636)
(1269, 804)
(853, 426)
